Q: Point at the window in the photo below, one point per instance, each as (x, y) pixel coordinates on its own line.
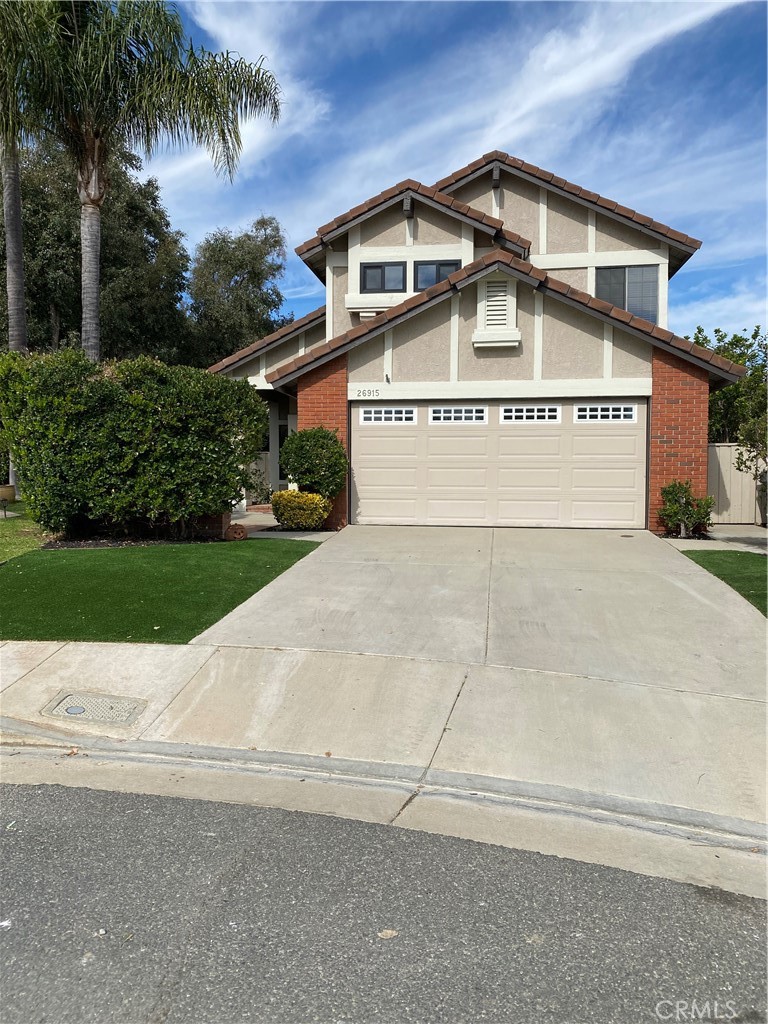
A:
(382, 277)
(635, 289)
(603, 413)
(426, 274)
(459, 414)
(530, 414)
(387, 414)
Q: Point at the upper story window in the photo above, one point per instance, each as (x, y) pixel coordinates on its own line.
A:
(635, 289)
(426, 273)
(382, 277)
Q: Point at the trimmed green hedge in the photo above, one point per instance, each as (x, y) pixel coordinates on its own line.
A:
(315, 460)
(126, 446)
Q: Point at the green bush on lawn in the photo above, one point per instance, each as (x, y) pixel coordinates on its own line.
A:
(126, 446)
(299, 510)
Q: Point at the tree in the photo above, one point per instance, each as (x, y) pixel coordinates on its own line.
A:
(733, 406)
(235, 298)
(143, 261)
(122, 75)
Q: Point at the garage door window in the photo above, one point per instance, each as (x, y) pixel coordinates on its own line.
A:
(387, 414)
(529, 414)
(458, 414)
(605, 413)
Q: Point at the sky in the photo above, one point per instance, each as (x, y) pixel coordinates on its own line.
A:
(659, 106)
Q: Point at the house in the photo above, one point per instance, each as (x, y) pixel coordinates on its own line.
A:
(493, 350)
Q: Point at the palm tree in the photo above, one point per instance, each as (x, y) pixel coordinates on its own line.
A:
(124, 76)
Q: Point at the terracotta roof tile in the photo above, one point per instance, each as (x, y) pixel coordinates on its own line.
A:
(497, 156)
(431, 193)
(302, 324)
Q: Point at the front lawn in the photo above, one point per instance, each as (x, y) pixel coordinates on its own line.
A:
(745, 571)
(164, 593)
(18, 533)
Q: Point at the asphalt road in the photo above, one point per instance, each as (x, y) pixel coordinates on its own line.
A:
(146, 910)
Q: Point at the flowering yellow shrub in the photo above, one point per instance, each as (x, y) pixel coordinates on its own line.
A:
(300, 510)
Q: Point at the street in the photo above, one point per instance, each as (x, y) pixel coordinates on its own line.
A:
(130, 908)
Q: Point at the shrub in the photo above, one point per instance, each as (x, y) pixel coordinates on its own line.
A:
(300, 510)
(315, 460)
(682, 513)
(128, 446)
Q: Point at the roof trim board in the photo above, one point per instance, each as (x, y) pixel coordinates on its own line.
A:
(287, 333)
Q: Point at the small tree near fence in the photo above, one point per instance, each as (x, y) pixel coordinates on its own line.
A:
(682, 513)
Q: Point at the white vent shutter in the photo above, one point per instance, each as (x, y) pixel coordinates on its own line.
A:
(495, 305)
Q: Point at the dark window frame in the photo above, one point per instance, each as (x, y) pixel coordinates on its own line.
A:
(382, 291)
(456, 264)
(626, 286)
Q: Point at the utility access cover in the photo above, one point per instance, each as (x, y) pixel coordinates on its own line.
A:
(94, 707)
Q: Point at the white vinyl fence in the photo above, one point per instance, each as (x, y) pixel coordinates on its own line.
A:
(733, 491)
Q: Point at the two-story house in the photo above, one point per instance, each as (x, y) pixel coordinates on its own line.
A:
(493, 350)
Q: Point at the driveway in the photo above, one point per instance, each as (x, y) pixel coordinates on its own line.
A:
(623, 606)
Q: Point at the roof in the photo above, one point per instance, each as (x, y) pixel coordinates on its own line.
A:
(484, 221)
(283, 334)
(538, 279)
(551, 180)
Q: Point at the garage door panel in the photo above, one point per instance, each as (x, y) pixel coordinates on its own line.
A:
(566, 473)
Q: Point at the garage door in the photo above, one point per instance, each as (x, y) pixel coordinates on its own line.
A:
(506, 463)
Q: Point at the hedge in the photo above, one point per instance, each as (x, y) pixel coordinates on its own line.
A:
(126, 446)
(300, 510)
(315, 460)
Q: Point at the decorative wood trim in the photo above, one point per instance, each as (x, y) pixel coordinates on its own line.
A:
(617, 258)
(620, 387)
(607, 351)
(387, 356)
(328, 302)
(538, 336)
(543, 210)
(454, 353)
(663, 289)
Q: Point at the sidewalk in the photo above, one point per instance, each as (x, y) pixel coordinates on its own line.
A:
(661, 781)
(726, 538)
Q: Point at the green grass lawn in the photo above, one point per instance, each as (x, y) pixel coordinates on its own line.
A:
(745, 571)
(18, 533)
(159, 594)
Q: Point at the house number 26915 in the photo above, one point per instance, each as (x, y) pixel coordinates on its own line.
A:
(368, 392)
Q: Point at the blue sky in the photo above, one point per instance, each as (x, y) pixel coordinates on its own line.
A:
(660, 106)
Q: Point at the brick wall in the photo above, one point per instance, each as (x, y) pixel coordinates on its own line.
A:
(678, 429)
(322, 402)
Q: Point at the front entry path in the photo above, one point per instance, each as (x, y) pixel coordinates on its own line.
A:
(591, 694)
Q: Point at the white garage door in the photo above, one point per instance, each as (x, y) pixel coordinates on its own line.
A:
(508, 463)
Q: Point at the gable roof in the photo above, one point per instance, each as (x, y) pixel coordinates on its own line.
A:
(568, 188)
(538, 279)
(432, 197)
(283, 334)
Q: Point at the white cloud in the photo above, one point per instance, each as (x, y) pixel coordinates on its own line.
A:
(743, 306)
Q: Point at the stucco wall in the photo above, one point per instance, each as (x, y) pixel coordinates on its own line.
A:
(280, 354)
(576, 277)
(519, 207)
(631, 356)
(566, 225)
(495, 363)
(385, 228)
(342, 320)
(476, 193)
(612, 235)
(421, 346)
(431, 227)
(366, 363)
(572, 343)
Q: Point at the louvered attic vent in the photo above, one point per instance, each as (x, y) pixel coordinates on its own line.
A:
(496, 314)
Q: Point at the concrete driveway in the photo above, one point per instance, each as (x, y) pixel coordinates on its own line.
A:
(610, 605)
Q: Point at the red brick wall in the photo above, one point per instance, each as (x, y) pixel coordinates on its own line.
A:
(322, 402)
(678, 429)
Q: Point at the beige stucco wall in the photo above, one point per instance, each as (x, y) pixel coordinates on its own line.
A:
(314, 336)
(342, 320)
(576, 277)
(566, 225)
(432, 227)
(476, 193)
(612, 235)
(572, 343)
(519, 207)
(631, 356)
(280, 354)
(385, 228)
(366, 363)
(421, 346)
